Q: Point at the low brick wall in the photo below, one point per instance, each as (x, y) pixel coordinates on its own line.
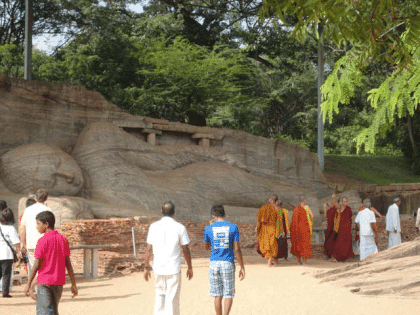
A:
(117, 233)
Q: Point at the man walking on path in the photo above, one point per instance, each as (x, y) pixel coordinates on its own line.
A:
(165, 240)
(368, 231)
(223, 239)
(28, 233)
(393, 225)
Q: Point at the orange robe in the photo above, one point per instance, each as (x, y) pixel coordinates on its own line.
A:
(300, 233)
(267, 222)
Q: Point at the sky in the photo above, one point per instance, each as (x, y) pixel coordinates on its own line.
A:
(47, 43)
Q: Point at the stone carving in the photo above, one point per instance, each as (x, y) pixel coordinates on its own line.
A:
(30, 167)
(64, 208)
(122, 170)
(131, 163)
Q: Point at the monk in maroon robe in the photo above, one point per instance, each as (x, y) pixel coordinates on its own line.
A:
(338, 238)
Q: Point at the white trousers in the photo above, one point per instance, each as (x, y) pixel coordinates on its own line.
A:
(167, 293)
(367, 246)
(31, 259)
(394, 239)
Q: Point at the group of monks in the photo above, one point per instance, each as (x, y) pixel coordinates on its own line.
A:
(273, 227)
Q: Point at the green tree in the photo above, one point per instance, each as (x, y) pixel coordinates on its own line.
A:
(182, 79)
(377, 30)
(11, 60)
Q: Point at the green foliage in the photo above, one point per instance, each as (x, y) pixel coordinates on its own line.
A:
(397, 96)
(381, 170)
(11, 60)
(288, 138)
(381, 30)
(182, 77)
(100, 61)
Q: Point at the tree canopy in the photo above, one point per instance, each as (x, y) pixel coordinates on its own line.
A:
(218, 63)
(377, 31)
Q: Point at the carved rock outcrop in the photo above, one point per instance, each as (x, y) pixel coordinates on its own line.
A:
(122, 170)
(140, 162)
(64, 208)
(30, 167)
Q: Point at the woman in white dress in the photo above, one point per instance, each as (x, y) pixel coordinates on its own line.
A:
(8, 238)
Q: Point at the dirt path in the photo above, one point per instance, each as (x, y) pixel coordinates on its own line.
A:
(287, 289)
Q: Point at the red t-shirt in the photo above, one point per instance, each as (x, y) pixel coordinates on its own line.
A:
(52, 250)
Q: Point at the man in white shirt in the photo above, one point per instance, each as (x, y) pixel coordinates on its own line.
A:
(393, 225)
(165, 240)
(28, 233)
(418, 220)
(368, 231)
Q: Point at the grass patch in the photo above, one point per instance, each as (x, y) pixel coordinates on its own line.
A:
(380, 170)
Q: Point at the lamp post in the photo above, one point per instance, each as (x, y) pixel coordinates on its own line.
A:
(28, 40)
(320, 82)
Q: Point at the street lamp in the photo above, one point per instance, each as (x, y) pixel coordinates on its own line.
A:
(28, 40)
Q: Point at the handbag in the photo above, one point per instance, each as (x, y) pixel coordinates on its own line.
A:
(15, 257)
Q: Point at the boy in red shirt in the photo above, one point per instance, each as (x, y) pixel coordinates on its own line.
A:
(52, 258)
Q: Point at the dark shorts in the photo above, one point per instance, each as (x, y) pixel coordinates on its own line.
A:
(47, 299)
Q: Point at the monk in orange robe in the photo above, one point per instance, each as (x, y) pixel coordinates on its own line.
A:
(266, 230)
(301, 230)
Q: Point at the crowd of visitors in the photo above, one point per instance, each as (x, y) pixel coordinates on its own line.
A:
(273, 229)
(45, 251)
(48, 252)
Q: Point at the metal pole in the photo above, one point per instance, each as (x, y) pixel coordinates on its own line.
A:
(28, 40)
(134, 242)
(320, 82)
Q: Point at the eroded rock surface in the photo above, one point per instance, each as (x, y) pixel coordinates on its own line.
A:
(33, 166)
(143, 161)
(122, 170)
(391, 272)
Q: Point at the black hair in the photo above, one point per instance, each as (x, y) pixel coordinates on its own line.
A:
(7, 217)
(46, 216)
(168, 209)
(218, 211)
(3, 205)
(30, 202)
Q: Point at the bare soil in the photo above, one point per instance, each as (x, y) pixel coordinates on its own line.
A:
(284, 289)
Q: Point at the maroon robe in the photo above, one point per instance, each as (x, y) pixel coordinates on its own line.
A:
(339, 245)
(282, 242)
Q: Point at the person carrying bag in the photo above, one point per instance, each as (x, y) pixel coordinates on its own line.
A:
(7, 254)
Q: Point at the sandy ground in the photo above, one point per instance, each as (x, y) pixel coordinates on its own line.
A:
(284, 289)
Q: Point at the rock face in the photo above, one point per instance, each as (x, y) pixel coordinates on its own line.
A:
(64, 208)
(32, 166)
(132, 163)
(123, 170)
(390, 272)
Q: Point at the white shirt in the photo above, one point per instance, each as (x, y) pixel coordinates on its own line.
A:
(12, 237)
(393, 219)
(166, 236)
(28, 220)
(418, 218)
(365, 218)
